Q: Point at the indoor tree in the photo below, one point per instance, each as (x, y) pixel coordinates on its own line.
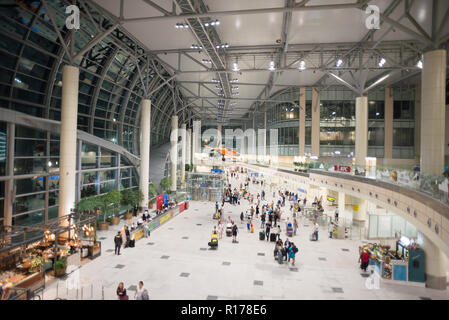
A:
(138, 197)
(127, 198)
(152, 191)
(165, 184)
(87, 204)
(113, 197)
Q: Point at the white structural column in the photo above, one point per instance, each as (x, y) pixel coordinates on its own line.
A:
(174, 152)
(183, 134)
(262, 142)
(145, 140)
(189, 147)
(67, 157)
(433, 97)
(388, 133)
(9, 184)
(341, 203)
(315, 122)
(361, 131)
(302, 122)
(359, 212)
(435, 261)
(418, 122)
(219, 135)
(196, 141)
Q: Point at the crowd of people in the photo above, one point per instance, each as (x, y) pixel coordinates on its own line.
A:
(271, 215)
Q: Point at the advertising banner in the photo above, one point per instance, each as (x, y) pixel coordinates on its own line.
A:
(159, 201)
(345, 169)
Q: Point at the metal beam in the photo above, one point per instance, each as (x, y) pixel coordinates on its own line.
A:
(216, 14)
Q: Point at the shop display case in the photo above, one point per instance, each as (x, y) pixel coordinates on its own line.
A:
(403, 265)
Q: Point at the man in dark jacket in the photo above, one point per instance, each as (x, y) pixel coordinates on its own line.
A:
(128, 235)
(118, 242)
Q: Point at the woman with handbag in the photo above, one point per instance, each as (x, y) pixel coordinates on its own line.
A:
(121, 292)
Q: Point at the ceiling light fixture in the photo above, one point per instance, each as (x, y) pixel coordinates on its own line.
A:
(222, 46)
(236, 67)
(181, 26)
(206, 61)
(234, 80)
(272, 67)
(195, 46)
(382, 62)
(339, 63)
(419, 64)
(212, 23)
(302, 65)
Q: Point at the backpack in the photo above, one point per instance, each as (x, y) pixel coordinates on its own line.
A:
(295, 249)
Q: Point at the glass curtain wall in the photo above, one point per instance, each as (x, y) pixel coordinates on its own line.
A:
(36, 174)
(337, 122)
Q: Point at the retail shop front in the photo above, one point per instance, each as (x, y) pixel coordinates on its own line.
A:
(30, 255)
(403, 264)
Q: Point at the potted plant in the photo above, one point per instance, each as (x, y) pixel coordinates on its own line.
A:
(151, 203)
(138, 197)
(106, 200)
(128, 201)
(87, 204)
(152, 191)
(60, 267)
(36, 264)
(115, 219)
(165, 184)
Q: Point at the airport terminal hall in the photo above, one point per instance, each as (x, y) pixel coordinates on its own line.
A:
(224, 150)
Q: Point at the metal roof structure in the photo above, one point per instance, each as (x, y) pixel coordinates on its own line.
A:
(270, 45)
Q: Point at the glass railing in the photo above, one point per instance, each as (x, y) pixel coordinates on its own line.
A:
(431, 185)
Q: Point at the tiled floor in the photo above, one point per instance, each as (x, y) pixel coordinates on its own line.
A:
(171, 265)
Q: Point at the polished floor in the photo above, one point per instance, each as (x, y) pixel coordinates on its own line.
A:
(175, 263)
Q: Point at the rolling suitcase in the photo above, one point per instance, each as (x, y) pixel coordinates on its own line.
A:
(312, 237)
(272, 237)
(262, 235)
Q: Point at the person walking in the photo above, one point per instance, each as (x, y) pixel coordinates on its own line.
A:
(295, 226)
(278, 232)
(276, 216)
(364, 260)
(331, 230)
(121, 292)
(292, 253)
(141, 292)
(220, 229)
(267, 231)
(242, 217)
(315, 230)
(287, 245)
(118, 241)
(234, 232)
(262, 218)
(127, 234)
